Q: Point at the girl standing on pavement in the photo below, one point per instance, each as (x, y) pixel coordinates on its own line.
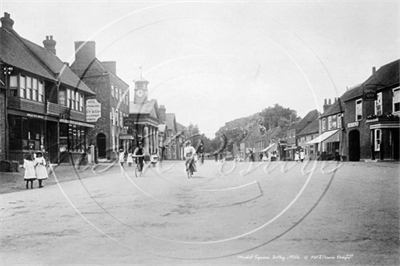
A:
(121, 157)
(129, 160)
(40, 167)
(30, 173)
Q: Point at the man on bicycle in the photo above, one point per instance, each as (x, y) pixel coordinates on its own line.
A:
(200, 152)
(139, 156)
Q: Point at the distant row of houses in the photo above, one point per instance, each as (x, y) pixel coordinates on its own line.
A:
(47, 104)
(362, 124)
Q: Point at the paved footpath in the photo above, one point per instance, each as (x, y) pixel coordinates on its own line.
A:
(227, 214)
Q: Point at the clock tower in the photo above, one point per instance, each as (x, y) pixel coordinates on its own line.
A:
(141, 91)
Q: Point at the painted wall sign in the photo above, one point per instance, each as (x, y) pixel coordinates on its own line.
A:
(354, 124)
(93, 110)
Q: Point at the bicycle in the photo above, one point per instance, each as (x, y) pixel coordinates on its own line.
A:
(138, 171)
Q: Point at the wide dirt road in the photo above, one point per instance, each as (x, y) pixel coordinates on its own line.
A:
(244, 214)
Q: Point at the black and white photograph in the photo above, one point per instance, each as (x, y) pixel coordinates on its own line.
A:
(203, 132)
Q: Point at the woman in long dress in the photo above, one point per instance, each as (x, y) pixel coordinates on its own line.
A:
(41, 171)
(30, 173)
(189, 153)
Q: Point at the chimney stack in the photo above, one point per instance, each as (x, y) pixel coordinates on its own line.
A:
(85, 52)
(326, 105)
(7, 22)
(50, 44)
(162, 112)
(373, 70)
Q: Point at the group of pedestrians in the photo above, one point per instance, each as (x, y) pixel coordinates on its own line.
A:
(299, 156)
(35, 168)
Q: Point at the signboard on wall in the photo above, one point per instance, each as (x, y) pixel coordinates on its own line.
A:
(370, 93)
(93, 110)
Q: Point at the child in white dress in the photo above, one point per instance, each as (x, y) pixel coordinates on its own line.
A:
(40, 167)
(29, 167)
(129, 160)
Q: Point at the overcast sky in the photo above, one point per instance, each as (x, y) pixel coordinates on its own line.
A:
(210, 62)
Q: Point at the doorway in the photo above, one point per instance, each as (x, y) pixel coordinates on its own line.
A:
(354, 145)
(101, 145)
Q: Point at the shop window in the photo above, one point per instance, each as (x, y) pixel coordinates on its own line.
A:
(378, 136)
(15, 132)
(358, 110)
(396, 100)
(378, 104)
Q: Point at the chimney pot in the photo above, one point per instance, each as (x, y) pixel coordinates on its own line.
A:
(50, 44)
(373, 70)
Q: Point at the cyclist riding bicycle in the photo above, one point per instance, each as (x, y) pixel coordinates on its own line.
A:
(200, 152)
(139, 157)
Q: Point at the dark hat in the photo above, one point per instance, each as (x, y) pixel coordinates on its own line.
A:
(39, 153)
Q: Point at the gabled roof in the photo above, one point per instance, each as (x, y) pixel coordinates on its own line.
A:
(311, 116)
(335, 108)
(13, 52)
(171, 123)
(179, 126)
(60, 69)
(144, 108)
(311, 128)
(385, 76)
(293, 125)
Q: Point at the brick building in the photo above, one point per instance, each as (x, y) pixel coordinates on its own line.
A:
(372, 123)
(44, 102)
(109, 134)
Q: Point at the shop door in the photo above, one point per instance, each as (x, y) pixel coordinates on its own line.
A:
(52, 141)
(101, 145)
(354, 145)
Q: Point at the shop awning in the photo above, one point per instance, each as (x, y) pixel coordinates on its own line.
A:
(271, 147)
(293, 147)
(126, 136)
(330, 136)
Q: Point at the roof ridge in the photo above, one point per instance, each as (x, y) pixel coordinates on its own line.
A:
(21, 41)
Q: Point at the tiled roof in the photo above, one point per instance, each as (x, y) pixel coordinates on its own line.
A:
(311, 128)
(14, 53)
(293, 125)
(311, 116)
(60, 69)
(385, 76)
(142, 108)
(179, 126)
(335, 108)
(170, 121)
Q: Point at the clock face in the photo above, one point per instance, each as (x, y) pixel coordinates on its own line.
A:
(139, 93)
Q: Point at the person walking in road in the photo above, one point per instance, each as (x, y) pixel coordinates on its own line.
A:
(297, 156)
(121, 157)
(302, 155)
(189, 153)
(30, 174)
(251, 156)
(40, 167)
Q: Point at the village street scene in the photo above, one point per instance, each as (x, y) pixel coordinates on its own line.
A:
(199, 133)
